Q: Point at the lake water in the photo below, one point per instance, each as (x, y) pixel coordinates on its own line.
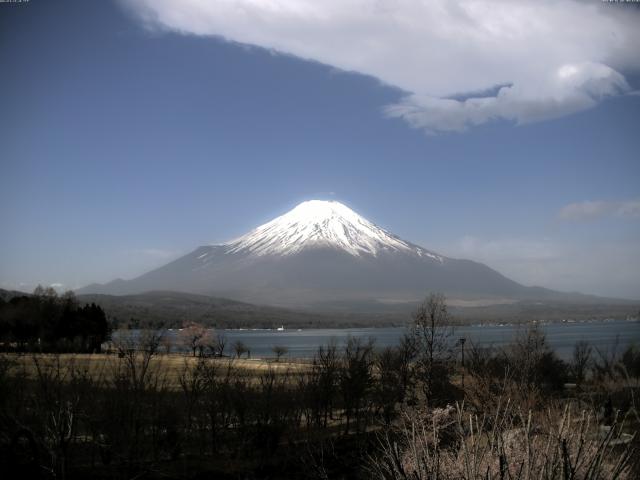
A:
(605, 335)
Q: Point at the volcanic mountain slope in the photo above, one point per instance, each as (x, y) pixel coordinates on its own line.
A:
(322, 252)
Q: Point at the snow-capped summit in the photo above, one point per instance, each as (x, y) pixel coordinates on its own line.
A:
(320, 223)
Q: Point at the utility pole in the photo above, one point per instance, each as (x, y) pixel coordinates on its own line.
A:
(462, 340)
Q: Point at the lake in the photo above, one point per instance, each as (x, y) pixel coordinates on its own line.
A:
(604, 335)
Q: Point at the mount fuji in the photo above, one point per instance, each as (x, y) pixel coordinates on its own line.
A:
(322, 253)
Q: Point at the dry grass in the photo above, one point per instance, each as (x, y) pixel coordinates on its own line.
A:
(511, 443)
(170, 366)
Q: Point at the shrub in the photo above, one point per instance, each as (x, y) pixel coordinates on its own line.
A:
(504, 445)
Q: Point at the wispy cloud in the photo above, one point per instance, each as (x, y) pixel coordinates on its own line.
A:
(592, 210)
(539, 59)
(29, 287)
(158, 253)
(505, 249)
(602, 268)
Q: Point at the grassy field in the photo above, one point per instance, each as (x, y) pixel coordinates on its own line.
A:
(169, 366)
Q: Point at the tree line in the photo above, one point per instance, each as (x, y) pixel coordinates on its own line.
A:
(47, 322)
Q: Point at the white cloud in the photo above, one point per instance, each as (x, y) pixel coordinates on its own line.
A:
(591, 210)
(551, 58)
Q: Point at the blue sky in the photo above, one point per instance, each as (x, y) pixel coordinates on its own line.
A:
(129, 137)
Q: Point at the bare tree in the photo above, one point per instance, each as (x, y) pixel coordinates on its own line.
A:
(430, 334)
(356, 379)
(207, 343)
(240, 348)
(581, 359)
(407, 351)
(137, 361)
(388, 386)
(221, 342)
(61, 390)
(537, 369)
(279, 351)
(135, 394)
(167, 344)
(193, 335)
(69, 300)
(150, 340)
(324, 381)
